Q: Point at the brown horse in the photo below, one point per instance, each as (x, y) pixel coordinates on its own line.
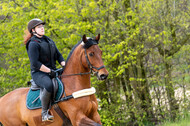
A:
(81, 111)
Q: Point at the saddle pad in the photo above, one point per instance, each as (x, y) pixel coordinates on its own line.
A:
(33, 100)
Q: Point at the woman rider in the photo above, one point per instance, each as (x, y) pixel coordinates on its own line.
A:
(43, 55)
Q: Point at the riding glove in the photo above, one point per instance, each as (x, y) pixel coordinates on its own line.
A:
(52, 73)
(61, 70)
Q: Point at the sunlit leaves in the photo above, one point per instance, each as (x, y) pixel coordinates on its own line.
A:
(131, 38)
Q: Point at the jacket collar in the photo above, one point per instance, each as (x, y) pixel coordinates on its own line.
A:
(35, 38)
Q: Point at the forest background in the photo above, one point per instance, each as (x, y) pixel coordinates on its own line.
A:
(145, 44)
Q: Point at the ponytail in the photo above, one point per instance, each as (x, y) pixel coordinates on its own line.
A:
(27, 36)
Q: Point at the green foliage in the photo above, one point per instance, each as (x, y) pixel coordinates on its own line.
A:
(145, 47)
(118, 109)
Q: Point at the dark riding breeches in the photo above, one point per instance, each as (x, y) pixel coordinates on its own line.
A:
(43, 80)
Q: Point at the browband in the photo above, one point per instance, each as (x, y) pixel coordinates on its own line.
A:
(89, 43)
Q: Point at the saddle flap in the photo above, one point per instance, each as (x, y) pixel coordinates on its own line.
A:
(55, 87)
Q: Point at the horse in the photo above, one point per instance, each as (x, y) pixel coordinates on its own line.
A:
(83, 111)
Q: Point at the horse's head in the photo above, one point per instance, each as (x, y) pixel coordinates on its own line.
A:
(92, 59)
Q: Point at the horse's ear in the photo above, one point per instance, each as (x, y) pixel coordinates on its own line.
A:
(84, 39)
(97, 37)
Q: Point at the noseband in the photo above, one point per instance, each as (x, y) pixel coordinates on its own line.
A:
(90, 65)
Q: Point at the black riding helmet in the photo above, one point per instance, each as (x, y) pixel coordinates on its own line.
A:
(33, 23)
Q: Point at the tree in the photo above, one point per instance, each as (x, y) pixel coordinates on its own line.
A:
(145, 45)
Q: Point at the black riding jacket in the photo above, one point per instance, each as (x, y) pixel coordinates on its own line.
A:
(42, 51)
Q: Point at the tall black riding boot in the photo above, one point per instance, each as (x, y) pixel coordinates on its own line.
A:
(45, 99)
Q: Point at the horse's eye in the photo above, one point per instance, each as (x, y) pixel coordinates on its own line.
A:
(91, 54)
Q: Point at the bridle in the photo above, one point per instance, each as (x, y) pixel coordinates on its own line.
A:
(90, 72)
(89, 66)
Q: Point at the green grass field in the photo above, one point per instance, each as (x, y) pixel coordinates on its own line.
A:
(183, 122)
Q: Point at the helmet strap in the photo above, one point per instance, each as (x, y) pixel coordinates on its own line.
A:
(37, 33)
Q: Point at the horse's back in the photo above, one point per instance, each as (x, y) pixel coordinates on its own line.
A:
(13, 96)
(10, 105)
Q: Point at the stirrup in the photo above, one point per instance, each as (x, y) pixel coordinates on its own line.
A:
(47, 117)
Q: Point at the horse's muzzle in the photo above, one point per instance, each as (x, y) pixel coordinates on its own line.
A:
(102, 76)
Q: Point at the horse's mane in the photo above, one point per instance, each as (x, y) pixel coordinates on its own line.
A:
(72, 50)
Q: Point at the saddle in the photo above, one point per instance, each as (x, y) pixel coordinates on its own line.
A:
(34, 94)
(33, 101)
(35, 87)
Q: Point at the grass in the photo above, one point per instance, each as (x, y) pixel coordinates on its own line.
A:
(182, 122)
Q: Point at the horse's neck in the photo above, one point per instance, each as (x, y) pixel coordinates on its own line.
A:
(74, 66)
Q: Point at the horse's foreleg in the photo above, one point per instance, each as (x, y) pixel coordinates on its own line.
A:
(87, 122)
(96, 117)
(82, 120)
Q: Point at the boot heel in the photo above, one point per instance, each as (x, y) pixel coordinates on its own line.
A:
(51, 119)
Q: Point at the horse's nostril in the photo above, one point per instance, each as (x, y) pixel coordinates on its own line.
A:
(103, 76)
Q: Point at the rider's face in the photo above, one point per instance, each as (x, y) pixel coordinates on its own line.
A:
(40, 29)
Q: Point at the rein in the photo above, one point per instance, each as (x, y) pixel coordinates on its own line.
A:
(76, 74)
(89, 66)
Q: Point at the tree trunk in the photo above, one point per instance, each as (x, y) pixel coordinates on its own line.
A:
(174, 107)
(144, 93)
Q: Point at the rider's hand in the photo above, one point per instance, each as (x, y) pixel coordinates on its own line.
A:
(61, 71)
(52, 73)
(63, 67)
